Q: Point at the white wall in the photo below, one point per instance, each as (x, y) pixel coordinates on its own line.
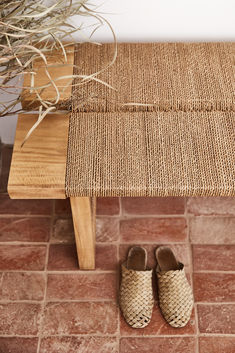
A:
(158, 20)
(170, 20)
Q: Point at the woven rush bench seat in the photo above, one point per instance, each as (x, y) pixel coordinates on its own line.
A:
(166, 129)
(151, 154)
(156, 77)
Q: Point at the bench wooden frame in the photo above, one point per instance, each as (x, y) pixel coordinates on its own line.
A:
(38, 172)
(38, 168)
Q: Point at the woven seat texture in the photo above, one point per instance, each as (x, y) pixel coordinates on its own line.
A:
(151, 154)
(157, 77)
(168, 129)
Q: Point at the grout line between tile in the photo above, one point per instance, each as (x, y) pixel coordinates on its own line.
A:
(187, 220)
(66, 300)
(16, 242)
(63, 272)
(158, 336)
(23, 243)
(115, 336)
(153, 242)
(217, 335)
(157, 216)
(120, 215)
(93, 300)
(80, 272)
(46, 279)
(95, 272)
(43, 302)
(23, 215)
(114, 242)
(215, 271)
(120, 207)
(197, 328)
(16, 335)
(6, 301)
(130, 336)
(212, 244)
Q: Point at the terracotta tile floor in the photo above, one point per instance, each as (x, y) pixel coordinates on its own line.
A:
(47, 305)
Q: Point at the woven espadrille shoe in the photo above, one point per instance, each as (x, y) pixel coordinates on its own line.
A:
(174, 292)
(136, 293)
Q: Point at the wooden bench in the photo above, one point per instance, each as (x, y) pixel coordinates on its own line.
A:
(38, 168)
(178, 144)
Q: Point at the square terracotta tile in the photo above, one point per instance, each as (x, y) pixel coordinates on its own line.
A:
(62, 207)
(107, 206)
(211, 205)
(156, 230)
(219, 318)
(107, 229)
(214, 287)
(22, 257)
(81, 313)
(214, 257)
(19, 319)
(80, 318)
(82, 286)
(22, 286)
(79, 345)
(63, 257)
(153, 205)
(106, 257)
(18, 345)
(25, 229)
(158, 345)
(63, 231)
(212, 230)
(25, 207)
(216, 344)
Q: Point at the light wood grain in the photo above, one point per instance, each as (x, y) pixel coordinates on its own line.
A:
(60, 68)
(84, 231)
(38, 168)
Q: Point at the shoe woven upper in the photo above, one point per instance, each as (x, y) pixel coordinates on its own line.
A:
(136, 297)
(175, 297)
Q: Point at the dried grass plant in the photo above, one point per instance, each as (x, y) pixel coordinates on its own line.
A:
(30, 30)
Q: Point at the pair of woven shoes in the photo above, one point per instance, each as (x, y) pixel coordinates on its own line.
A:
(136, 293)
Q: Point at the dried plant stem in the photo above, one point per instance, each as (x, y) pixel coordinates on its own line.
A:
(32, 30)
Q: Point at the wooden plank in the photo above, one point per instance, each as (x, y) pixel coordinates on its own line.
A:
(84, 231)
(57, 69)
(38, 168)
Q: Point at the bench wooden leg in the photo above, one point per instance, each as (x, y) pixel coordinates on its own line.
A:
(83, 221)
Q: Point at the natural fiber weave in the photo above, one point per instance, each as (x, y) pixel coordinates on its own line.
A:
(157, 77)
(137, 148)
(136, 297)
(175, 297)
(151, 154)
